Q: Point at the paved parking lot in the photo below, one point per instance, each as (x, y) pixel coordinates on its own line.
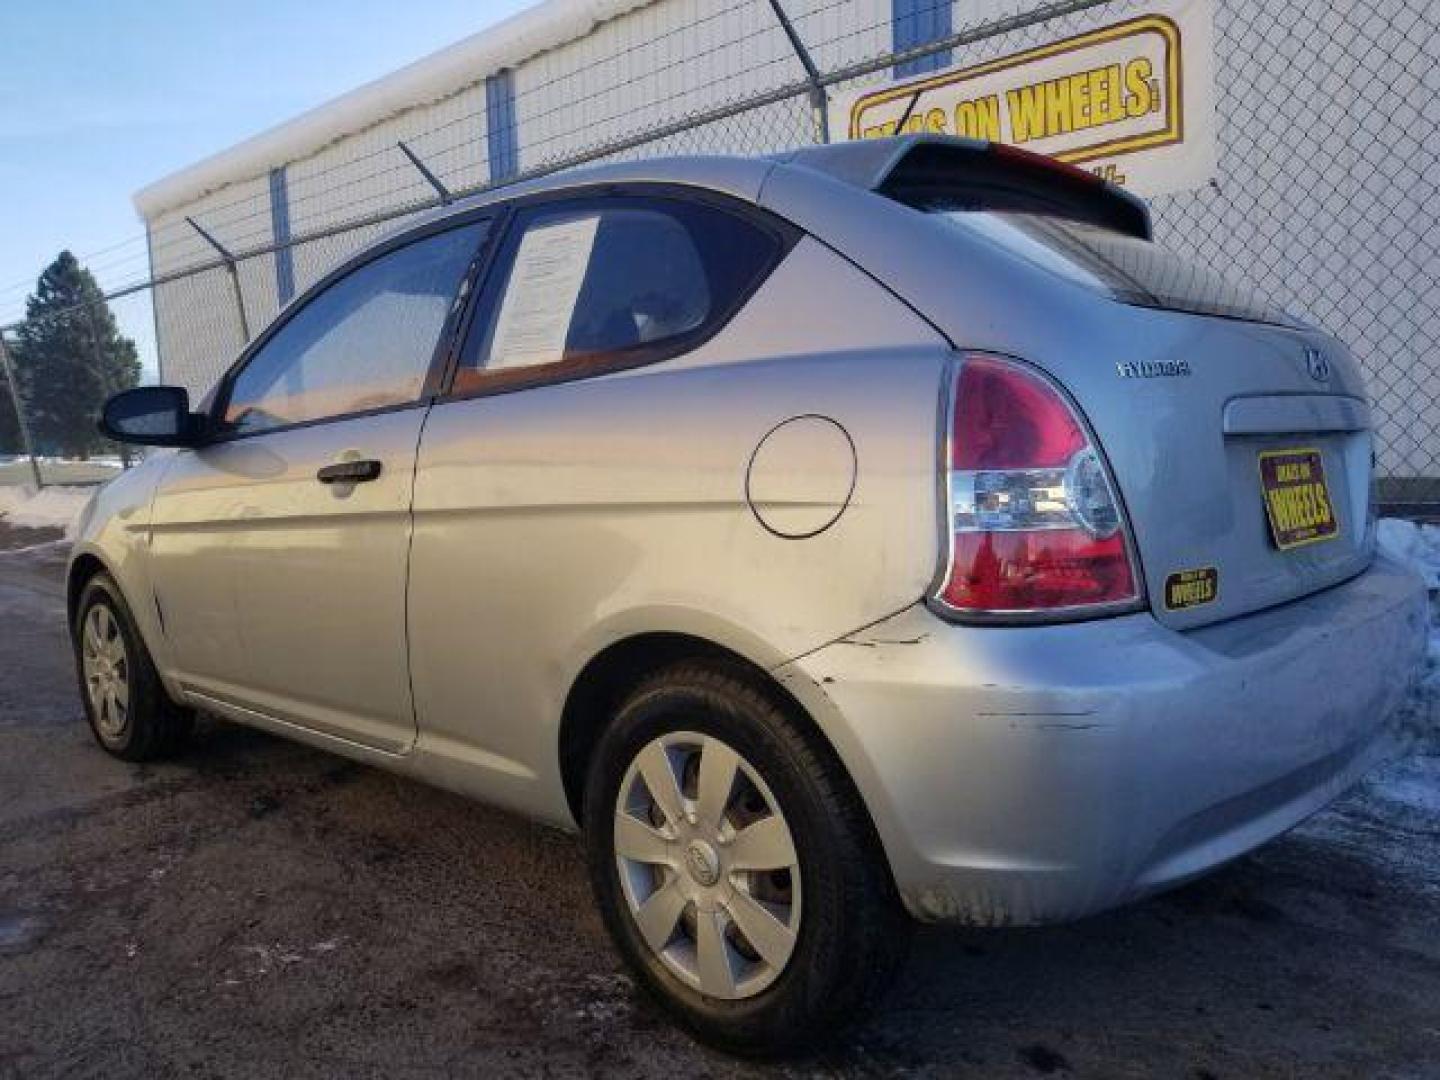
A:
(257, 908)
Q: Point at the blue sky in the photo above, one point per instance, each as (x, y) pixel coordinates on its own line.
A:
(100, 97)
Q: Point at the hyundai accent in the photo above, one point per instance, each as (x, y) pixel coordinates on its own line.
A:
(873, 532)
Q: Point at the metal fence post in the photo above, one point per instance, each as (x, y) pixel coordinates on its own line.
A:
(24, 425)
(229, 261)
(430, 178)
(819, 105)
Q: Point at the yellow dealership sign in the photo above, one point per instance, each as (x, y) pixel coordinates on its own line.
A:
(1132, 100)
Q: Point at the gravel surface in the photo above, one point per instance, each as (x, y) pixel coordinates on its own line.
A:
(261, 909)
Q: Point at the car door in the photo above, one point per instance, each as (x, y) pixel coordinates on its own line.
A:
(531, 506)
(279, 549)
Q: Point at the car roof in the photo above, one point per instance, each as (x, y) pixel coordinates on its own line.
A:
(863, 163)
(738, 176)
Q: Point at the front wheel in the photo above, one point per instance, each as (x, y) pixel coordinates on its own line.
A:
(735, 866)
(130, 714)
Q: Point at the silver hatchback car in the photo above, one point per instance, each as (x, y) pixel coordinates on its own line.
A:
(874, 529)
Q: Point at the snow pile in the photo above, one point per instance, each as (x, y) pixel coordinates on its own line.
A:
(1419, 546)
(54, 507)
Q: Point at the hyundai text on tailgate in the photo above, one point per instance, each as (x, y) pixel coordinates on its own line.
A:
(876, 531)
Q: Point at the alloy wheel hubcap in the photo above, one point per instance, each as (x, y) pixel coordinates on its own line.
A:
(107, 671)
(703, 863)
(707, 865)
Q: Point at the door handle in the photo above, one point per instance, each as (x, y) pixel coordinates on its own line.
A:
(349, 472)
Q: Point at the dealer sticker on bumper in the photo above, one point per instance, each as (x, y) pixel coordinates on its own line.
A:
(1191, 588)
(1297, 500)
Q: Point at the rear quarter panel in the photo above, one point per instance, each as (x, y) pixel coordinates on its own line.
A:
(553, 522)
(1192, 493)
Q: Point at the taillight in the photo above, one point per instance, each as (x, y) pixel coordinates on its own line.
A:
(1035, 526)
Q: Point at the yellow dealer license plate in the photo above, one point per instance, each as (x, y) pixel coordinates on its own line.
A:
(1297, 501)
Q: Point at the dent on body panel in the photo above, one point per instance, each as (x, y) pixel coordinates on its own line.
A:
(975, 906)
(121, 503)
(194, 578)
(942, 725)
(1006, 893)
(984, 901)
(115, 528)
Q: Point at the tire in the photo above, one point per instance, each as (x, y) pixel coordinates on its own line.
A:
(844, 928)
(138, 721)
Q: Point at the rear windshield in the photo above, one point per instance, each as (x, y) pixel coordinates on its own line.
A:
(1124, 268)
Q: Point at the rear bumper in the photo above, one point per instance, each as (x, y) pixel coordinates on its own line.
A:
(1037, 774)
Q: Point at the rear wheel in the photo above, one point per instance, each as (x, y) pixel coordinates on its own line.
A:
(735, 866)
(130, 714)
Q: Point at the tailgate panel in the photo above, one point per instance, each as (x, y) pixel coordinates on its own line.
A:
(1186, 453)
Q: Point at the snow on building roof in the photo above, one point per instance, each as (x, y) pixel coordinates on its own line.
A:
(506, 44)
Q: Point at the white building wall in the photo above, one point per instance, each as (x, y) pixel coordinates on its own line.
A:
(366, 174)
(197, 318)
(660, 63)
(1324, 197)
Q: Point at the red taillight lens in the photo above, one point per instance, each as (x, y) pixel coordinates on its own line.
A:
(1006, 418)
(1031, 571)
(1035, 526)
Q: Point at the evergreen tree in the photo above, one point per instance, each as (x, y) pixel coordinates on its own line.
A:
(69, 357)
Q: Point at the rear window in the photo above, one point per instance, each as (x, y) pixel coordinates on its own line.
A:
(1125, 268)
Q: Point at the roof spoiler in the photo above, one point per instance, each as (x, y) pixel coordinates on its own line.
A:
(913, 168)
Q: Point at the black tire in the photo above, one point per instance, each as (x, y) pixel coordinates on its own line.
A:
(852, 935)
(153, 726)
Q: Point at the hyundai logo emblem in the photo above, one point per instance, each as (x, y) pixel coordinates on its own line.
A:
(1317, 365)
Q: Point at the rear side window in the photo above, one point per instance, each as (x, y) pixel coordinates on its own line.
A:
(592, 285)
(365, 342)
(1107, 262)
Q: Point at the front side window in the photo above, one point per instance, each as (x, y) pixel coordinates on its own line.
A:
(366, 342)
(617, 281)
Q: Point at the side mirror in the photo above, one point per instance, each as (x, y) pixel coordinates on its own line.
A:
(152, 416)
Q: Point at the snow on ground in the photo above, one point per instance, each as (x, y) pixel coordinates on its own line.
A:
(53, 507)
(1399, 805)
(1419, 545)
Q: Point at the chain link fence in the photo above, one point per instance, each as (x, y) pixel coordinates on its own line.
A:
(55, 370)
(1328, 131)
